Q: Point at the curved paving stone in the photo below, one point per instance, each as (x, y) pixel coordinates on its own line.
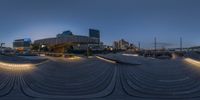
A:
(97, 79)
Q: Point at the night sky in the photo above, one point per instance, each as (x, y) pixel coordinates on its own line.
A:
(133, 20)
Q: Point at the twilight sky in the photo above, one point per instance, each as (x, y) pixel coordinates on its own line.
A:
(133, 20)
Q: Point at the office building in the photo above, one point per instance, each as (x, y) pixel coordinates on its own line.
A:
(121, 45)
(22, 45)
(94, 33)
(68, 40)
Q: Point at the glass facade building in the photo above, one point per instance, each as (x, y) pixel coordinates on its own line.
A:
(22, 44)
(94, 33)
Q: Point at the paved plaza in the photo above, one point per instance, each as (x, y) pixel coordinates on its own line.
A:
(92, 78)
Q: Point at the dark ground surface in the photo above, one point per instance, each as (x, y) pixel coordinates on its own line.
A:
(95, 79)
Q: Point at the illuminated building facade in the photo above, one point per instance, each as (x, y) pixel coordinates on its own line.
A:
(22, 45)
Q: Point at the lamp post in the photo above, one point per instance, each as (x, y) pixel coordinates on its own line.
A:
(181, 45)
(1, 47)
(88, 48)
(139, 46)
(2, 44)
(155, 45)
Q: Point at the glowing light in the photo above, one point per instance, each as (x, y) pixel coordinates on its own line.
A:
(135, 55)
(107, 60)
(19, 67)
(74, 58)
(9, 66)
(41, 63)
(192, 61)
(90, 56)
(174, 56)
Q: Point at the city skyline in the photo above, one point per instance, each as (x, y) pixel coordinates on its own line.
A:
(100, 49)
(133, 20)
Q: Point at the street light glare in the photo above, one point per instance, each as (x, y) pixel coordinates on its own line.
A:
(192, 62)
(74, 58)
(107, 60)
(16, 67)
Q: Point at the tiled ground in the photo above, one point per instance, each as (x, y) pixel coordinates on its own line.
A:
(96, 79)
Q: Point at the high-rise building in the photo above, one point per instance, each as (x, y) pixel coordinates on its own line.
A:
(94, 33)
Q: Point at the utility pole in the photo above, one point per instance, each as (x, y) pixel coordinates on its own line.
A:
(181, 44)
(1, 47)
(155, 45)
(87, 48)
(139, 46)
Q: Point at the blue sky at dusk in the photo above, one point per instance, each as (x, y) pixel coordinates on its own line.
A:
(133, 20)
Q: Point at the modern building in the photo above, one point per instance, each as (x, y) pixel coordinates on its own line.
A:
(116, 45)
(94, 33)
(65, 34)
(22, 45)
(67, 40)
(121, 45)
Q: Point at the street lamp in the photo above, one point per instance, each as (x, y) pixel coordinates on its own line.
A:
(139, 46)
(2, 44)
(1, 47)
(155, 46)
(181, 44)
